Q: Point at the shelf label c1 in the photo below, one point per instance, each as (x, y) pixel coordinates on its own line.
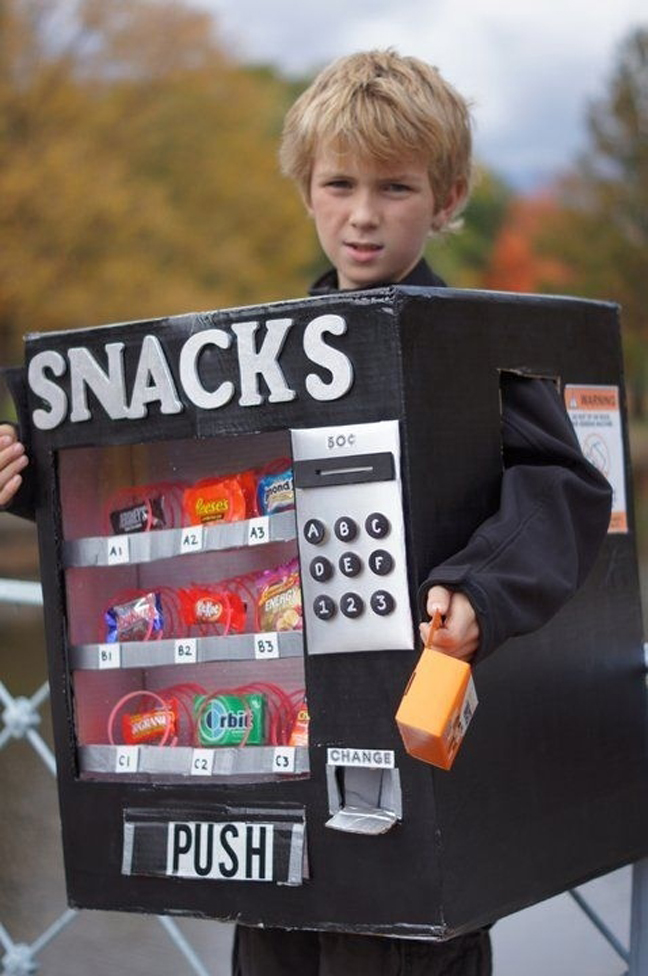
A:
(126, 759)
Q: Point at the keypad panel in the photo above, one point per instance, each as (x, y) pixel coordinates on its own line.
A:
(352, 541)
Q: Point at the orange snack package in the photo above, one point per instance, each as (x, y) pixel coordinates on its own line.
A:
(437, 706)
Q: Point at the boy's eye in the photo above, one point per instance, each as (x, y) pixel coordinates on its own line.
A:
(338, 184)
(397, 188)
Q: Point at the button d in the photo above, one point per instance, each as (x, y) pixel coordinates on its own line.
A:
(377, 525)
(321, 569)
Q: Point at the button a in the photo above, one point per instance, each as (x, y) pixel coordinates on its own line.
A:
(314, 531)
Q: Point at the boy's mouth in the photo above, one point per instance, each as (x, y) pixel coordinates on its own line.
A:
(361, 249)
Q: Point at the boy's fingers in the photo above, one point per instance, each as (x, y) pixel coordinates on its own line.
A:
(438, 598)
(10, 489)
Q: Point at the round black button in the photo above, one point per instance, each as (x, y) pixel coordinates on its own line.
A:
(377, 525)
(382, 603)
(324, 607)
(350, 563)
(314, 531)
(381, 562)
(321, 569)
(346, 529)
(351, 605)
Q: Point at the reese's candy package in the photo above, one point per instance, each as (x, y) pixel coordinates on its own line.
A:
(214, 500)
(138, 619)
(230, 720)
(205, 605)
(150, 726)
(279, 602)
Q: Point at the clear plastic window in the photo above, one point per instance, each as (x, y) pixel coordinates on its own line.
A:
(184, 609)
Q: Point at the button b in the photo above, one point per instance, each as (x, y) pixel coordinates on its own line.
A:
(346, 529)
(377, 525)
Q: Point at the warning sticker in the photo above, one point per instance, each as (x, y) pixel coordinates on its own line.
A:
(595, 413)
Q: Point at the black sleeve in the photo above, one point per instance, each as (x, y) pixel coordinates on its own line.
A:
(522, 564)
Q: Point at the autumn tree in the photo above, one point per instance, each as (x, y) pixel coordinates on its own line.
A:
(603, 230)
(138, 171)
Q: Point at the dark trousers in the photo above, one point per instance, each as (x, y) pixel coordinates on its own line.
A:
(275, 952)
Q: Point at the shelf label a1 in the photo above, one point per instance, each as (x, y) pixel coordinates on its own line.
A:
(117, 550)
(266, 646)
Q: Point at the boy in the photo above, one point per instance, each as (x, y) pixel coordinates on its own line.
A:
(380, 147)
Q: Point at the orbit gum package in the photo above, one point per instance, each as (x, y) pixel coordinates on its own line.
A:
(279, 601)
(230, 720)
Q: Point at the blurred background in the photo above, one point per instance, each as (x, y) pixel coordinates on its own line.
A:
(138, 179)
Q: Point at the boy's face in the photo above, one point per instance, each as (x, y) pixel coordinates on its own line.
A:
(372, 218)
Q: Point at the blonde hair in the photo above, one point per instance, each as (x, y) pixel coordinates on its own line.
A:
(380, 105)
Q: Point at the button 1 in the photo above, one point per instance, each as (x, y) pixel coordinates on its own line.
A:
(324, 607)
(350, 563)
(314, 531)
(377, 525)
(351, 605)
(321, 569)
(381, 562)
(346, 529)
(382, 603)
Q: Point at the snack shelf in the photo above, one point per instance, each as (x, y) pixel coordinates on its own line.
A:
(200, 765)
(144, 547)
(190, 650)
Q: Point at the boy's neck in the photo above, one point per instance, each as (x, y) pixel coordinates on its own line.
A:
(421, 275)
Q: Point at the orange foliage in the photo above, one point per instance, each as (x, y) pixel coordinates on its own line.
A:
(517, 261)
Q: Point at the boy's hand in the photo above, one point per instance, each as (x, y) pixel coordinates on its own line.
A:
(12, 461)
(459, 634)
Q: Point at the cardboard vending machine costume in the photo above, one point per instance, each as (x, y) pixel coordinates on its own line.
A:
(235, 512)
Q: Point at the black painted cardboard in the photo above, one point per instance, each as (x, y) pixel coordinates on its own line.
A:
(549, 788)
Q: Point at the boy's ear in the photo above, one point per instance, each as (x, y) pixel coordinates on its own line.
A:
(456, 196)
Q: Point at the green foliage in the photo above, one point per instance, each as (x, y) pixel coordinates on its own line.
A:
(463, 258)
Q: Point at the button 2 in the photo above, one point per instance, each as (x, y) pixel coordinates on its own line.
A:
(352, 605)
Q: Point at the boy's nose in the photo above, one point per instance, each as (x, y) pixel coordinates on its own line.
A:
(364, 212)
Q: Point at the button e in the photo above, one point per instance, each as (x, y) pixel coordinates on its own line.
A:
(350, 563)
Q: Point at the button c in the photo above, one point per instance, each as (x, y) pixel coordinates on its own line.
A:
(377, 525)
